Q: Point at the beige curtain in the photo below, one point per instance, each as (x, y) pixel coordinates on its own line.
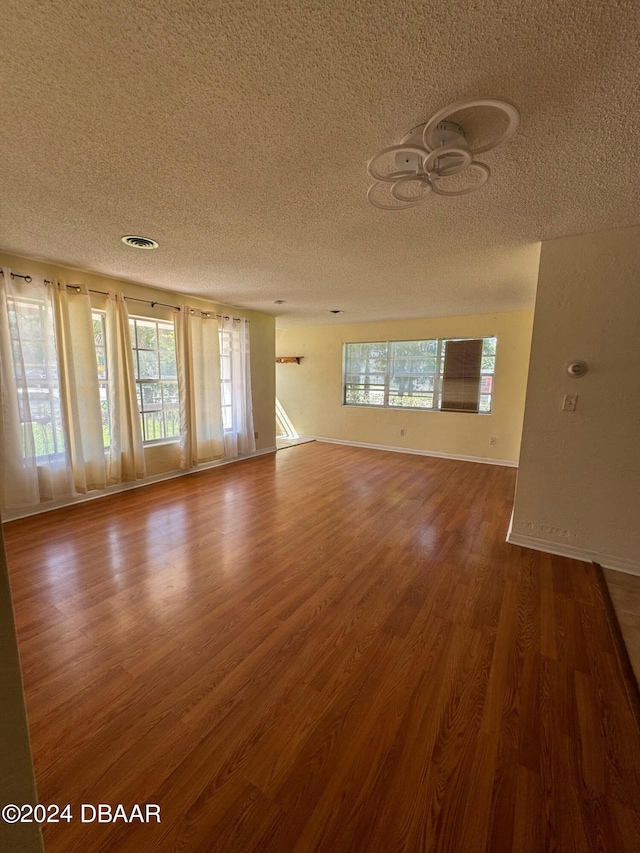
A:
(79, 392)
(19, 481)
(126, 453)
(239, 437)
(198, 357)
(34, 457)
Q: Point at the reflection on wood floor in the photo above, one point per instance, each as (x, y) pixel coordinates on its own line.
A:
(328, 649)
(624, 590)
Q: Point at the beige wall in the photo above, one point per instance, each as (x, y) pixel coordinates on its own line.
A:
(311, 392)
(578, 485)
(162, 458)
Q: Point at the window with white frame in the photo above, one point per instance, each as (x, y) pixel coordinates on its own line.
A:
(411, 374)
(154, 355)
(100, 337)
(33, 343)
(226, 377)
(487, 373)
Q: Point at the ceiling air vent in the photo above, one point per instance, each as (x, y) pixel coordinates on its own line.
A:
(139, 242)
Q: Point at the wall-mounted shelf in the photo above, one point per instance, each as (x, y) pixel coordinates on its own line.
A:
(289, 359)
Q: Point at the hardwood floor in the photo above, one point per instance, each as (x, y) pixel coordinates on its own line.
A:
(625, 595)
(331, 649)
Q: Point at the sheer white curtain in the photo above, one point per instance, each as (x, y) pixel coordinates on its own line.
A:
(35, 461)
(198, 358)
(239, 437)
(79, 390)
(126, 451)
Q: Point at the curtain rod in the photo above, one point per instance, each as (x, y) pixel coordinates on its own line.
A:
(78, 288)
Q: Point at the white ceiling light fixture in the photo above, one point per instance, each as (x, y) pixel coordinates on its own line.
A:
(432, 154)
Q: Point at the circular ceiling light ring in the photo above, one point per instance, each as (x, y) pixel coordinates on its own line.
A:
(415, 199)
(507, 107)
(393, 149)
(404, 206)
(443, 151)
(485, 174)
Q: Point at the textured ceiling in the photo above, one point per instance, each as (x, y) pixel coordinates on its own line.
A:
(237, 135)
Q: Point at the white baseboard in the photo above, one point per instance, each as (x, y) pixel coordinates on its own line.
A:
(14, 514)
(485, 460)
(609, 561)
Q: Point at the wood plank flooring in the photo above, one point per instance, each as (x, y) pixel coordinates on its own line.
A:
(624, 590)
(330, 649)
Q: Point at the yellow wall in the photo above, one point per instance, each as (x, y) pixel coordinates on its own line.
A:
(311, 392)
(162, 458)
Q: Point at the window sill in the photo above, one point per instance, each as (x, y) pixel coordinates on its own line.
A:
(409, 409)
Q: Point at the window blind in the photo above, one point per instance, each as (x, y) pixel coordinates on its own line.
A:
(461, 377)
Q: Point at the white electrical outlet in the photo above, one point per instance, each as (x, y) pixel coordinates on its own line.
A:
(401, 432)
(492, 439)
(570, 402)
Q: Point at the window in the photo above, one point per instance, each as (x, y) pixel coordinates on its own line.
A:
(413, 370)
(486, 373)
(413, 374)
(226, 377)
(154, 356)
(32, 340)
(100, 337)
